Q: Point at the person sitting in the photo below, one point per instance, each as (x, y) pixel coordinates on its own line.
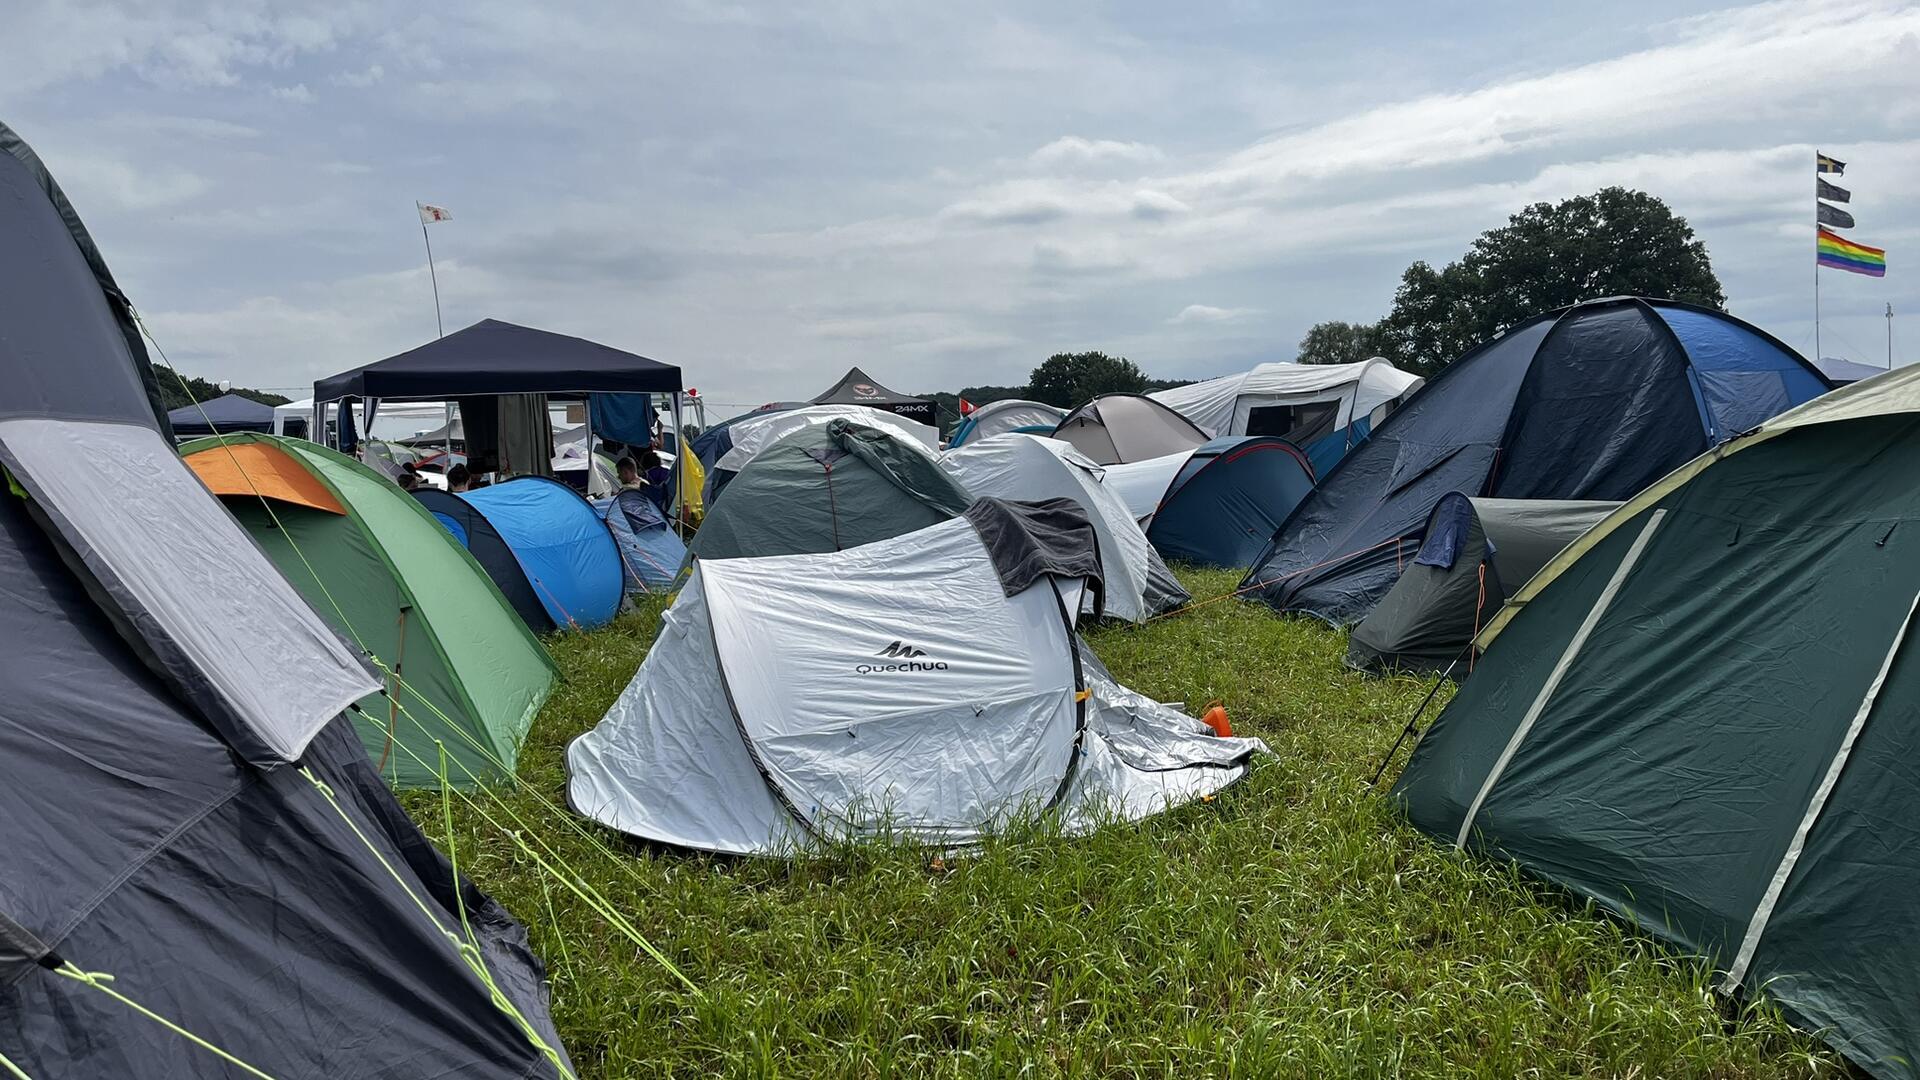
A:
(459, 479)
(659, 479)
(409, 478)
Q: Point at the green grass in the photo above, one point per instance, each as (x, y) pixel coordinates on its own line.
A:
(1290, 927)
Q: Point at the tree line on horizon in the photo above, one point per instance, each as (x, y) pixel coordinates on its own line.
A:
(1614, 242)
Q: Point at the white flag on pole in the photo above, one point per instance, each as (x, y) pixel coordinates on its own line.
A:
(431, 214)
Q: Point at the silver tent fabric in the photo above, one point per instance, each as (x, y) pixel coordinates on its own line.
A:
(217, 617)
(1142, 484)
(892, 687)
(1029, 467)
(1222, 406)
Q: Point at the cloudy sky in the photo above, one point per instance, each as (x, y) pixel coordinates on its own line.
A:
(944, 194)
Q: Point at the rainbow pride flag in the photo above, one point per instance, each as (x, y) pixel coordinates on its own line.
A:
(1843, 254)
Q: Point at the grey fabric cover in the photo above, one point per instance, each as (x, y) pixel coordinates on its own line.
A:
(1029, 541)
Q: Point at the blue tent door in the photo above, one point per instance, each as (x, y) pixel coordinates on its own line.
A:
(562, 545)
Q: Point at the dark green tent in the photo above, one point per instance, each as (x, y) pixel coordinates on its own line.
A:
(1475, 553)
(827, 489)
(1703, 716)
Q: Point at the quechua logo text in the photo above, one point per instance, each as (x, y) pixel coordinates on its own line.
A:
(899, 656)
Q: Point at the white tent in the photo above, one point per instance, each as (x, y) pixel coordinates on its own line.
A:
(1278, 399)
(1142, 484)
(1138, 584)
(752, 435)
(930, 686)
(1004, 416)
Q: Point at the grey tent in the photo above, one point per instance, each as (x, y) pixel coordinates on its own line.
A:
(186, 808)
(1476, 553)
(857, 387)
(1117, 429)
(827, 489)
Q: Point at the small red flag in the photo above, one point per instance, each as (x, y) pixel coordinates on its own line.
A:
(965, 406)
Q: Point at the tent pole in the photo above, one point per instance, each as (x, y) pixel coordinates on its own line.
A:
(447, 465)
(592, 458)
(678, 503)
(318, 432)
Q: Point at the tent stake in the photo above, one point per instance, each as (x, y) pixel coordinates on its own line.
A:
(1413, 721)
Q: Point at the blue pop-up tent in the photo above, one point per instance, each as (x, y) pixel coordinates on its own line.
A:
(650, 553)
(1593, 401)
(543, 544)
(1226, 501)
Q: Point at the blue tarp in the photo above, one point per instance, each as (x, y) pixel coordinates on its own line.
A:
(1595, 401)
(561, 544)
(626, 418)
(1228, 498)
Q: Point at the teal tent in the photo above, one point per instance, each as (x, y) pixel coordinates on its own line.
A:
(827, 489)
(1702, 715)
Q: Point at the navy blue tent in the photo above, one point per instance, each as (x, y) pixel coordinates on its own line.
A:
(1594, 401)
(1227, 500)
(229, 412)
(543, 544)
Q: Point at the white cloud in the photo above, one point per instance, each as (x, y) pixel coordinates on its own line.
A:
(297, 93)
(1206, 313)
(1074, 151)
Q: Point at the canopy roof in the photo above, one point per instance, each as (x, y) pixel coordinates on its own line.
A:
(228, 412)
(857, 387)
(494, 357)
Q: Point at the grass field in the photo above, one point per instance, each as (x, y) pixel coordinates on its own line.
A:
(1291, 927)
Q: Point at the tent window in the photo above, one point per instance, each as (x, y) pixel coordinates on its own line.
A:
(1300, 424)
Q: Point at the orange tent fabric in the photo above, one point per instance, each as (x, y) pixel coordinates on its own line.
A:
(257, 469)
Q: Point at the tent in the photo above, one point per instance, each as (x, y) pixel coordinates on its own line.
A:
(1113, 429)
(1227, 498)
(494, 357)
(825, 489)
(228, 412)
(1033, 468)
(1841, 372)
(650, 553)
(1701, 715)
(856, 387)
(713, 443)
(929, 686)
(186, 810)
(1593, 401)
(374, 563)
(1475, 554)
(754, 434)
(1326, 409)
(543, 544)
(1002, 417)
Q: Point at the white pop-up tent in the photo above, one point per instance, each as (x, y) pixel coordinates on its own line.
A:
(930, 686)
(1321, 408)
(1031, 467)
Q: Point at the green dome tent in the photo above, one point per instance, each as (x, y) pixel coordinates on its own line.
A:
(828, 489)
(1701, 715)
(378, 567)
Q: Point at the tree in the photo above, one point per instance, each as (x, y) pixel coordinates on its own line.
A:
(174, 396)
(1069, 379)
(946, 404)
(1614, 242)
(1341, 343)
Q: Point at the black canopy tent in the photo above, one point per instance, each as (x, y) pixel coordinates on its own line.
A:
(228, 412)
(856, 387)
(493, 358)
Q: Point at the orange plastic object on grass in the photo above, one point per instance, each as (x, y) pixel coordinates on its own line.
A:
(1215, 717)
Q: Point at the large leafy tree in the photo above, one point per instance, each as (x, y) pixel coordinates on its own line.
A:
(173, 395)
(1068, 379)
(1614, 242)
(1342, 343)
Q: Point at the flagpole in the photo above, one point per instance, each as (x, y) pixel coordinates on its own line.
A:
(439, 327)
(1816, 257)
